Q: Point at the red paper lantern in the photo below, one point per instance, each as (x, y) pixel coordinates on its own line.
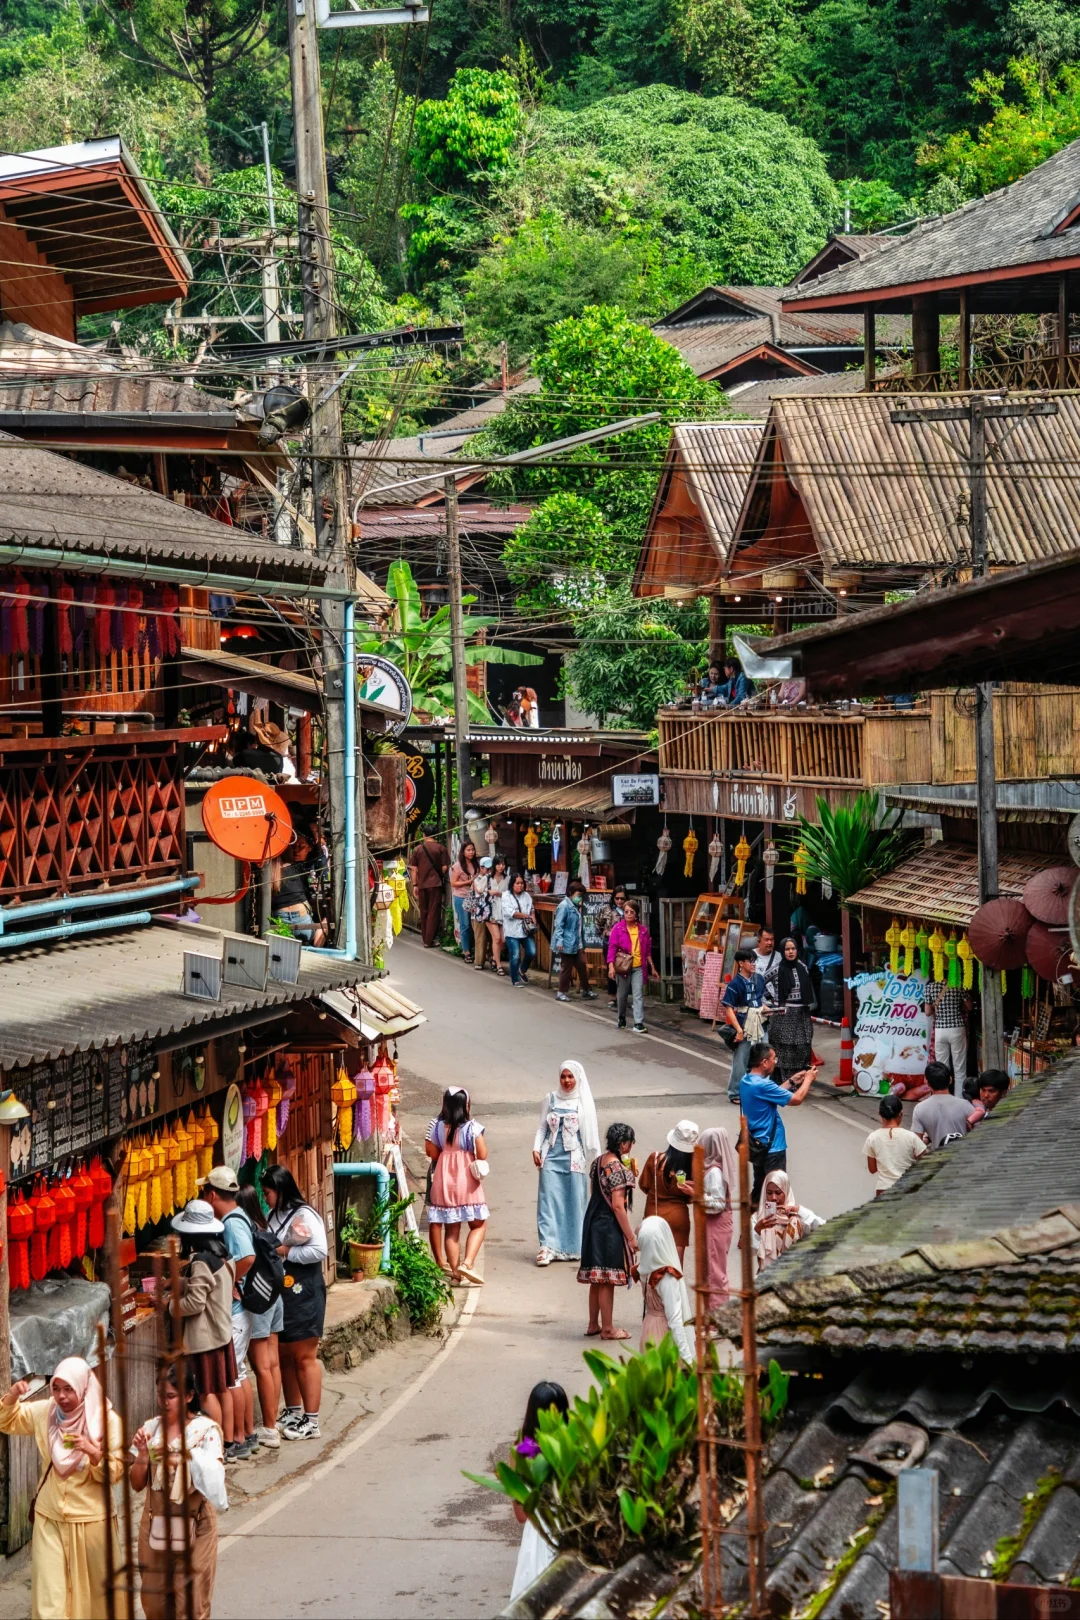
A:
(64, 1199)
(95, 1233)
(20, 1227)
(83, 1188)
(44, 1220)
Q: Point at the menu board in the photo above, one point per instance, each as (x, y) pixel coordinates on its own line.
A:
(78, 1101)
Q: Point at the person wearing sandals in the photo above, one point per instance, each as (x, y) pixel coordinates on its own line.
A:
(567, 1140)
(665, 1181)
(462, 876)
(608, 1244)
(455, 1142)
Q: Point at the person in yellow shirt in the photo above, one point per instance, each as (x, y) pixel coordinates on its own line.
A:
(68, 1560)
(629, 957)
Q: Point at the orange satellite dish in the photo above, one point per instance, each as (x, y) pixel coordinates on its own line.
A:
(247, 819)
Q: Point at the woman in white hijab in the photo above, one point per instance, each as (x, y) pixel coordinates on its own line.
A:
(780, 1221)
(667, 1303)
(567, 1140)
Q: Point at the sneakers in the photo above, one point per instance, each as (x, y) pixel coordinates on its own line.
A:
(620, 1023)
(640, 1029)
(291, 1415)
(306, 1428)
(561, 995)
(241, 1450)
(268, 1437)
(589, 995)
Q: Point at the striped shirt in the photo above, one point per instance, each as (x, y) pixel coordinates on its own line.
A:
(947, 1005)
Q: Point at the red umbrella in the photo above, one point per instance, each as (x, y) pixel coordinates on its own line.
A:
(997, 933)
(1049, 950)
(1046, 895)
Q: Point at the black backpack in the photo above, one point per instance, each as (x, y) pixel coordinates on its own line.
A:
(263, 1284)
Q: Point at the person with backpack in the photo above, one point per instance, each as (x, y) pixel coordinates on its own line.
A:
(300, 1237)
(267, 1280)
(220, 1191)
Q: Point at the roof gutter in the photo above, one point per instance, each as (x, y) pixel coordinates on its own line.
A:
(228, 584)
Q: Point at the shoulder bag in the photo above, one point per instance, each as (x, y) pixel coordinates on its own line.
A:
(32, 1512)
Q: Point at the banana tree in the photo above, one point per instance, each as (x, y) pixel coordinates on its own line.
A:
(421, 647)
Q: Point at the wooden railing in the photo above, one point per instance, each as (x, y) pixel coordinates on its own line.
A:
(856, 750)
(80, 813)
(1038, 369)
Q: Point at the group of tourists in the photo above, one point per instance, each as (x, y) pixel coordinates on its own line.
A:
(494, 917)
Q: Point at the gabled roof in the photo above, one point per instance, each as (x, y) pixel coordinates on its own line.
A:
(715, 347)
(754, 398)
(744, 303)
(941, 883)
(91, 216)
(1018, 232)
(839, 250)
(713, 462)
(876, 494)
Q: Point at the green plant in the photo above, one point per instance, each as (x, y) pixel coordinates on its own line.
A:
(421, 1284)
(278, 925)
(421, 647)
(852, 845)
(372, 1227)
(621, 1467)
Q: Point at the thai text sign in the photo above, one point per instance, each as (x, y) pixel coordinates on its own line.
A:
(892, 1033)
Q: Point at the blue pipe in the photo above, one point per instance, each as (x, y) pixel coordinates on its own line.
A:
(382, 1175)
(84, 902)
(350, 951)
(37, 936)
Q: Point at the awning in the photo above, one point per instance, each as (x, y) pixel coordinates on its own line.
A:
(285, 686)
(586, 800)
(941, 883)
(376, 1010)
(85, 994)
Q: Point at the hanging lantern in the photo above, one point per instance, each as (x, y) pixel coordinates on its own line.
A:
(103, 1186)
(716, 849)
(826, 887)
(144, 1165)
(907, 941)
(584, 849)
(343, 1091)
(531, 840)
(288, 1092)
(400, 904)
(801, 862)
(556, 841)
(922, 945)
(892, 940)
(185, 1176)
(83, 1188)
(159, 1155)
(953, 966)
(211, 1133)
(937, 952)
(274, 1094)
(44, 1219)
(742, 855)
(1027, 981)
(365, 1088)
(1004, 983)
(690, 848)
(247, 1103)
(64, 1199)
(383, 1071)
(966, 957)
(663, 844)
(20, 1229)
(771, 856)
(491, 839)
(262, 1107)
(172, 1176)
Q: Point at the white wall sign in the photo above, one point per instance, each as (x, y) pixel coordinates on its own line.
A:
(635, 790)
(892, 1033)
(232, 1129)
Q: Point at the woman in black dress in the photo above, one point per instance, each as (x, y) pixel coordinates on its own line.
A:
(608, 1245)
(790, 995)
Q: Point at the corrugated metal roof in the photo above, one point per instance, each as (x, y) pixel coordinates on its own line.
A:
(941, 883)
(713, 346)
(880, 493)
(51, 501)
(1002, 230)
(754, 399)
(84, 994)
(574, 801)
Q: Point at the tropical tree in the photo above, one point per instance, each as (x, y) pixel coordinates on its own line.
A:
(421, 647)
(852, 845)
(632, 657)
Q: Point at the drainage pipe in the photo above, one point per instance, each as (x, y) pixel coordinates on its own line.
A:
(372, 1167)
(86, 902)
(38, 936)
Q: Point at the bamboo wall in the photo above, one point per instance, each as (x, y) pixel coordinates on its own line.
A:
(1036, 734)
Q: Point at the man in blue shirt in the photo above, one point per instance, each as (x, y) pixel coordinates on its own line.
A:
(761, 1100)
(745, 990)
(737, 686)
(238, 1408)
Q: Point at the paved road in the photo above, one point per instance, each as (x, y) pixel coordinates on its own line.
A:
(386, 1526)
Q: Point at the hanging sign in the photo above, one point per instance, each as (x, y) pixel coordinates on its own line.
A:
(633, 790)
(232, 1129)
(892, 1033)
(383, 686)
(419, 790)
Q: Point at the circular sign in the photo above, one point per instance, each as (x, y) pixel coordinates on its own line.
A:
(419, 789)
(232, 1130)
(383, 686)
(247, 819)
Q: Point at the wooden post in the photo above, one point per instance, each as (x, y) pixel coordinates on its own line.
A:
(768, 892)
(712, 1597)
(755, 1523)
(965, 342)
(457, 650)
(926, 338)
(869, 350)
(1063, 332)
(845, 949)
(717, 628)
(52, 703)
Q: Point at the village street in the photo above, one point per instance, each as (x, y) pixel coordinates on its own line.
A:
(387, 1526)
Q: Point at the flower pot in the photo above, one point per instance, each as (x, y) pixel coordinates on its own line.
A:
(365, 1259)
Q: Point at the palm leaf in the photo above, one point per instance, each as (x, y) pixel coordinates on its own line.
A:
(852, 845)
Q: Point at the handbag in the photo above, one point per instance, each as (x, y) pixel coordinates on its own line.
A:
(624, 961)
(32, 1512)
(478, 1169)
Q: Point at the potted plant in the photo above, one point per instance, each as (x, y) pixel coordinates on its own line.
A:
(365, 1247)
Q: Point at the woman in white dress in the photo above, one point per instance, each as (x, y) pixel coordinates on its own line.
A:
(535, 1552)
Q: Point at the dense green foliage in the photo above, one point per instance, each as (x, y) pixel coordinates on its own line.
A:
(633, 656)
(852, 845)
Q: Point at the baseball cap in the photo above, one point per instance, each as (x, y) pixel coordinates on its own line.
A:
(222, 1179)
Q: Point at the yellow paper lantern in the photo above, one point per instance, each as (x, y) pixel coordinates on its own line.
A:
(531, 840)
(344, 1094)
(801, 861)
(892, 940)
(742, 855)
(966, 957)
(937, 952)
(907, 940)
(690, 848)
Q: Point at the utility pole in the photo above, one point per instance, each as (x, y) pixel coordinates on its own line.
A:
(457, 649)
(976, 412)
(328, 467)
(271, 289)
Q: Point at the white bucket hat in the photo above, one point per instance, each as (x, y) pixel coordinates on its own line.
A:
(195, 1217)
(683, 1136)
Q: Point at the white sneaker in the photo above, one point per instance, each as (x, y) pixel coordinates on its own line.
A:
(268, 1437)
(287, 1420)
(306, 1429)
(545, 1257)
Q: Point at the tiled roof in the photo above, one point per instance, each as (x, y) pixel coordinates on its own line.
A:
(754, 399)
(1008, 228)
(941, 883)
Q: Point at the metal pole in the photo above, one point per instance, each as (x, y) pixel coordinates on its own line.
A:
(711, 1589)
(457, 649)
(993, 1016)
(120, 1360)
(755, 1524)
(271, 290)
(331, 506)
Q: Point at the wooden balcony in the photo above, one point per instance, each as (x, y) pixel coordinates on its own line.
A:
(85, 813)
(754, 765)
(1038, 368)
